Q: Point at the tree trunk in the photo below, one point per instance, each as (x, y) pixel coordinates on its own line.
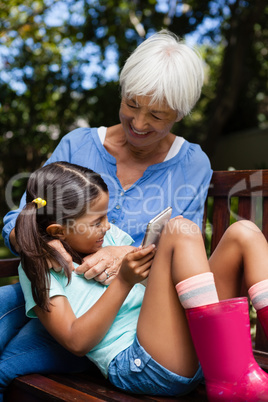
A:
(232, 77)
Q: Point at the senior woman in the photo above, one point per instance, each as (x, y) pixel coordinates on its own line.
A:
(146, 168)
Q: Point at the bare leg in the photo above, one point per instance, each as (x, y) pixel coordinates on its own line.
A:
(162, 328)
(242, 251)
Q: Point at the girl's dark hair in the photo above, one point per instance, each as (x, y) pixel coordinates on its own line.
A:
(68, 190)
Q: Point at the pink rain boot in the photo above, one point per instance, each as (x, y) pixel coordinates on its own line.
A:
(262, 315)
(221, 335)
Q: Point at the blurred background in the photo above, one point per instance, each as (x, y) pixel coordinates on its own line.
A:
(59, 66)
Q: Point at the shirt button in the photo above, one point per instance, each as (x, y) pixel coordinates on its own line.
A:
(117, 207)
(137, 362)
(122, 193)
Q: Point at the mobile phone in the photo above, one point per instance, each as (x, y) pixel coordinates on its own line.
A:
(155, 227)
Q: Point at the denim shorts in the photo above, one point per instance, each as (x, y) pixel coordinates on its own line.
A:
(134, 370)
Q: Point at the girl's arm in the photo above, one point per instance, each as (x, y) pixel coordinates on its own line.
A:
(80, 335)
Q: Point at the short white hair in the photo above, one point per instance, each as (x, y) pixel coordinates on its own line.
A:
(166, 69)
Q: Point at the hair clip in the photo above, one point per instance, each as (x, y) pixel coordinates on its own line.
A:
(39, 202)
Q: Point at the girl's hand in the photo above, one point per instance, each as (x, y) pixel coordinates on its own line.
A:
(104, 265)
(136, 264)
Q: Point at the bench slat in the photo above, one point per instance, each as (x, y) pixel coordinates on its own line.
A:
(35, 387)
(246, 209)
(92, 384)
(262, 359)
(220, 220)
(9, 267)
(98, 386)
(265, 217)
(239, 183)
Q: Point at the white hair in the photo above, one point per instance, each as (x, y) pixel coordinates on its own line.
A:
(166, 69)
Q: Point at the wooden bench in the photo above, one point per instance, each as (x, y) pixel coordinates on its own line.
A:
(232, 195)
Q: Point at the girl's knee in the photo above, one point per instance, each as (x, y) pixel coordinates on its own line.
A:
(182, 228)
(243, 231)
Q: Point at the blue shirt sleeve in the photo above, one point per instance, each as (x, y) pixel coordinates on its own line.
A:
(10, 221)
(198, 173)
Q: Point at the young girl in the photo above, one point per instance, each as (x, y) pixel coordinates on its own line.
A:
(139, 337)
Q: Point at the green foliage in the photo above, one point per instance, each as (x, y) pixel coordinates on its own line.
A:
(59, 64)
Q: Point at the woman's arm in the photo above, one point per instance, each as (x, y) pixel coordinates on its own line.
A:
(13, 241)
(80, 335)
(107, 259)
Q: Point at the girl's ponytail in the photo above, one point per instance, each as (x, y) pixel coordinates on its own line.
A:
(35, 253)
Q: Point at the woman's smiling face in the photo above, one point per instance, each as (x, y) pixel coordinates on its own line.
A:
(144, 123)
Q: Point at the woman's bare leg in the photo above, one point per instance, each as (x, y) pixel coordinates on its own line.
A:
(162, 327)
(242, 252)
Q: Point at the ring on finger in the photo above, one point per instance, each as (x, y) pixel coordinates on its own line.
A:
(108, 276)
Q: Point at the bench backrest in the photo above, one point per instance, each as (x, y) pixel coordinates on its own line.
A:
(235, 195)
(232, 195)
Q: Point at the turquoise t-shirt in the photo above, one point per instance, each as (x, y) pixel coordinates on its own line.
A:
(83, 293)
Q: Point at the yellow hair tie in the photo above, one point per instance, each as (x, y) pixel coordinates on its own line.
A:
(40, 202)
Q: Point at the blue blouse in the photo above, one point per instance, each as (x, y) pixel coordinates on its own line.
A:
(180, 182)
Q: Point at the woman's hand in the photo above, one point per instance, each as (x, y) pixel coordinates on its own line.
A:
(59, 247)
(104, 264)
(136, 264)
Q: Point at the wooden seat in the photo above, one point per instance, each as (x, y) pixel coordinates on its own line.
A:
(233, 195)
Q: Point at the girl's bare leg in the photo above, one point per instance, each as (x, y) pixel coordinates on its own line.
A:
(162, 327)
(241, 254)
